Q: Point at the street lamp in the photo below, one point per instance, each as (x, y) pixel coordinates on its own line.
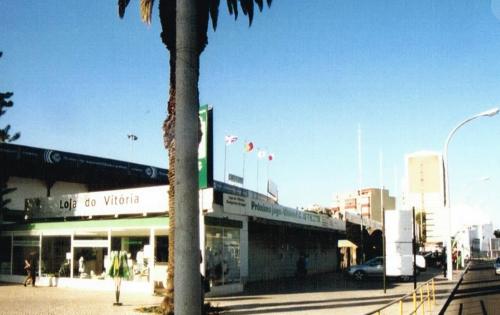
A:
(489, 113)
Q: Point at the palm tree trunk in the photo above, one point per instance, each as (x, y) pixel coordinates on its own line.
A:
(169, 143)
(187, 299)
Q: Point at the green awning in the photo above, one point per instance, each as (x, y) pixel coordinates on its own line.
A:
(161, 222)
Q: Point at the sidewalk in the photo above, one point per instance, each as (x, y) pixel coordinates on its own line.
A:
(328, 294)
(15, 299)
(319, 294)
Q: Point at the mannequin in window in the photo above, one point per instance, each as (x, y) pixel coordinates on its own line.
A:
(81, 266)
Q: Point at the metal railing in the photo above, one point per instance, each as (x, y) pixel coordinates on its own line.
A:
(418, 301)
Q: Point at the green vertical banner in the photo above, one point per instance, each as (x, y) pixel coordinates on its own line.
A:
(205, 148)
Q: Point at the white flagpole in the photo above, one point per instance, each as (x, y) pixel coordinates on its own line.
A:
(267, 184)
(225, 155)
(360, 165)
(360, 185)
(396, 188)
(381, 180)
(258, 171)
(244, 157)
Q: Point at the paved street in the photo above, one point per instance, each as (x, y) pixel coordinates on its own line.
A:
(479, 292)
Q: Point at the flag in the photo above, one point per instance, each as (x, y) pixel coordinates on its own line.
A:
(248, 147)
(271, 156)
(230, 139)
(261, 154)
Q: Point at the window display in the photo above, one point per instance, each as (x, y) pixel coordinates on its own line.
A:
(5, 245)
(23, 247)
(137, 261)
(161, 249)
(89, 263)
(222, 255)
(54, 260)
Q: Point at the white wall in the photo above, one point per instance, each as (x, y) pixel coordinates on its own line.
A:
(30, 188)
(64, 188)
(26, 188)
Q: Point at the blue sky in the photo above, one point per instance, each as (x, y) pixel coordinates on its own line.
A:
(297, 83)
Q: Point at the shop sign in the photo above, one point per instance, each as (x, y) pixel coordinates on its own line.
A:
(205, 152)
(257, 208)
(272, 189)
(235, 179)
(114, 202)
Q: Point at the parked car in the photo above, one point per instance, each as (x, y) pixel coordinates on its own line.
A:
(375, 268)
(497, 266)
(371, 268)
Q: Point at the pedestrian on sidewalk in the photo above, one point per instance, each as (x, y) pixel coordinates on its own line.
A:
(30, 267)
(444, 263)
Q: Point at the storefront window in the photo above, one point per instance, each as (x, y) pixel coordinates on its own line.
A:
(161, 249)
(5, 245)
(54, 255)
(137, 260)
(24, 246)
(222, 255)
(89, 263)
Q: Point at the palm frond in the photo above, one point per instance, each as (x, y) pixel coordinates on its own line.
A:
(247, 8)
(146, 10)
(6, 191)
(16, 136)
(3, 204)
(260, 4)
(4, 102)
(6, 129)
(232, 6)
(122, 5)
(214, 12)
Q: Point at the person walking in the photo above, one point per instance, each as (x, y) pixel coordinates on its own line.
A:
(30, 267)
(444, 262)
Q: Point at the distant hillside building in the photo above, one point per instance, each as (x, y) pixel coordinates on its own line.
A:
(365, 201)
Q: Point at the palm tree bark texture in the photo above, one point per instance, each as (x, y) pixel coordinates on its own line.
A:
(184, 33)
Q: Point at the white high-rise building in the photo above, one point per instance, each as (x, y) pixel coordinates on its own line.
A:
(424, 190)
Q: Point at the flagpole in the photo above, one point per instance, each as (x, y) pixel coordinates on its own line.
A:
(267, 184)
(225, 155)
(244, 157)
(258, 173)
(382, 211)
(360, 184)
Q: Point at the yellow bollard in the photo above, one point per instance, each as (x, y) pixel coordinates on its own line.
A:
(400, 307)
(433, 291)
(428, 296)
(422, 301)
(414, 302)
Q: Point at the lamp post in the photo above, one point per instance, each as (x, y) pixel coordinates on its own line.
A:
(489, 113)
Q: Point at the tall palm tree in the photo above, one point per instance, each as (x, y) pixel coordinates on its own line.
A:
(195, 16)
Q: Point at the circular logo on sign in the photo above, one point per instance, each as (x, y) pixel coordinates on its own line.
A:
(52, 157)
(151, 172)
